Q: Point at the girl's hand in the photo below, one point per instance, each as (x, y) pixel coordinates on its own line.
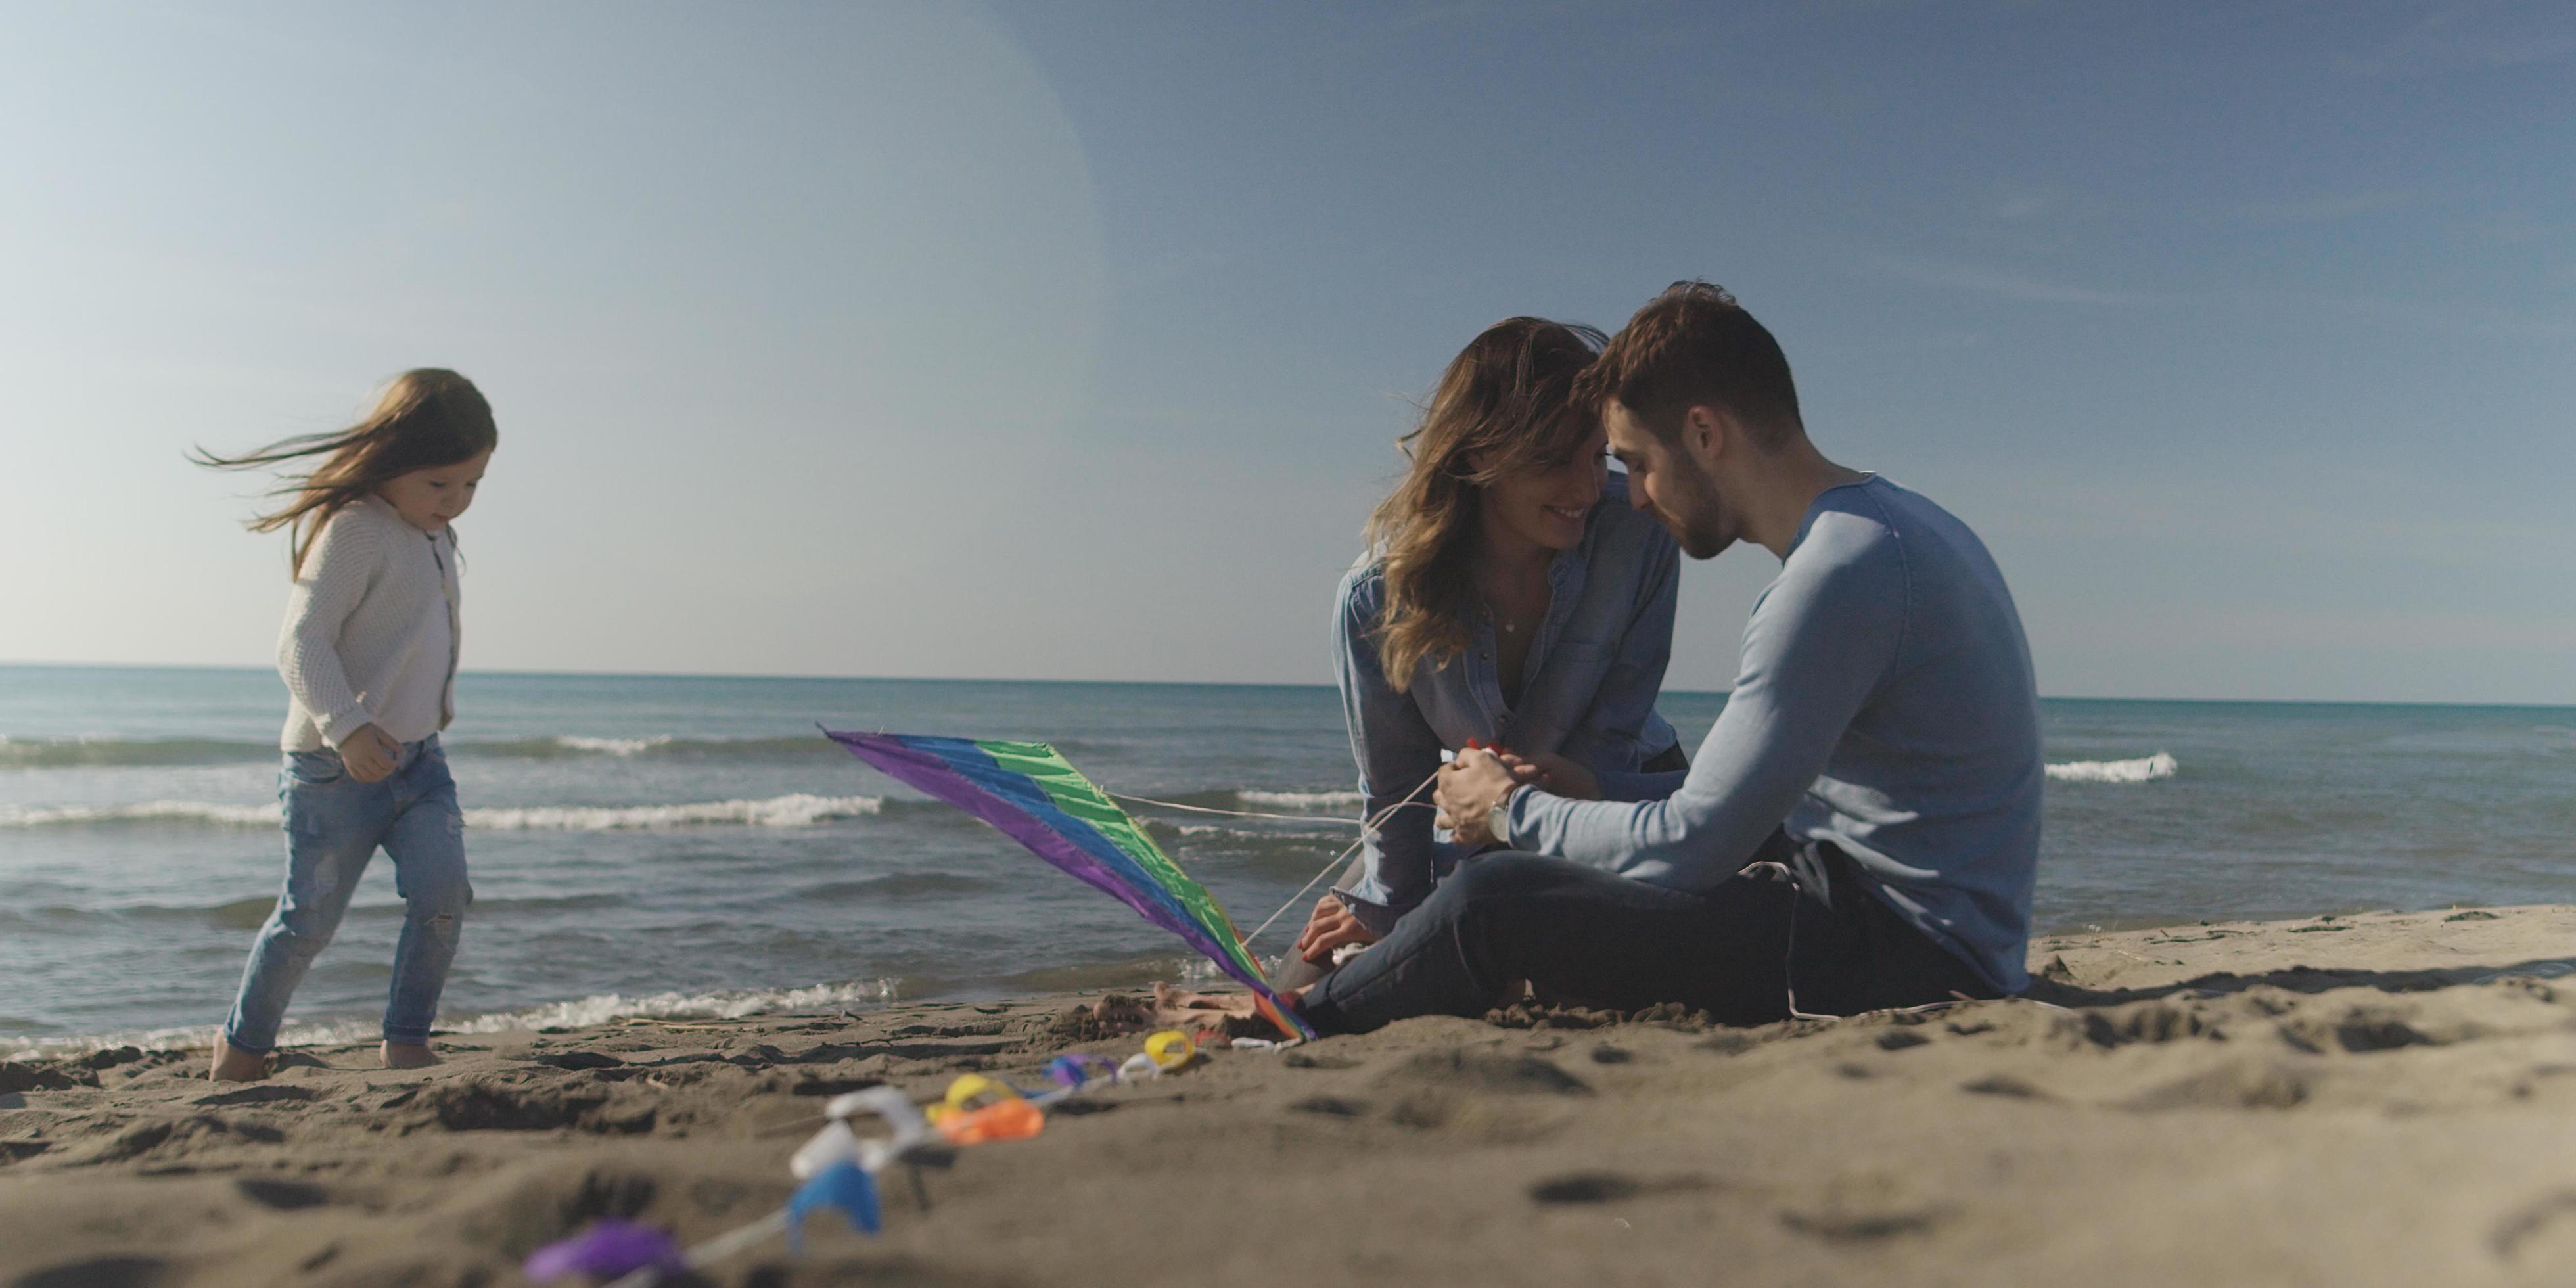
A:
(370, 754)
(1331, 927)
(1555, 775)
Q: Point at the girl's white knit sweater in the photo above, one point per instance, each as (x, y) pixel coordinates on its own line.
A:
(371, 631)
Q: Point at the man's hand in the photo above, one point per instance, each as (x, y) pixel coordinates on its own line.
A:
(1470, 787)
(1554, 774)
(370, 754)
(1331, 927)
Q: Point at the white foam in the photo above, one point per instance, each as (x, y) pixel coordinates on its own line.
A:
(612, 746)
(147, 812)
(589, 1012)
(798, 810)
(1274, 832)
(1301, 800)
(2143, 770)
(604, 1007)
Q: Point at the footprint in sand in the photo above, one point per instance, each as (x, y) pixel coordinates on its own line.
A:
(2234, 1086)
(1331, 1106)
(2006, 1086)
(2533, 970)
(1488, 1071)
(1865, 1208)
(282, 1196)
(1474, 1093)
(106, 1272)
(1612, 1187)
(263, 1094)
(2550, 1215)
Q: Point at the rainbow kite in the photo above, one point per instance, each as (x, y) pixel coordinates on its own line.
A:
(1037, 799)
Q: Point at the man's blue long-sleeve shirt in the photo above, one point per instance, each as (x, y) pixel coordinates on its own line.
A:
(1885, 706)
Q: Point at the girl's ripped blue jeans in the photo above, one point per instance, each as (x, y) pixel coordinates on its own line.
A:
(334, 824)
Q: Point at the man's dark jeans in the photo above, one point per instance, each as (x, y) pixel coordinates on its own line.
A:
(1586, 937)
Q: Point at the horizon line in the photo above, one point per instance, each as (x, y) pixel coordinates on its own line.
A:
(1217, 684)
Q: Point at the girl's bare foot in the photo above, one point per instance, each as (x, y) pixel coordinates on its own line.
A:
(236, 1066)
(409, 1055)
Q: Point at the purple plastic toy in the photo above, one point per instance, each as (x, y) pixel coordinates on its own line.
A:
(609, 1248)
(1079, 1068)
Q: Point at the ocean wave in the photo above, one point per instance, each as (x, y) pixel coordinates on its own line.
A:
(614, 746)
(248, 914)
(798, 810)
(100, 752)
(2145, 769)
(1300, 800)
(103, 752)
(598, 1009)
(897, 885)
(571, 746)
(147, 812)
(1275, 833)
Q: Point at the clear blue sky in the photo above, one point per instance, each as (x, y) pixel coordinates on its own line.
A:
(1071, 340)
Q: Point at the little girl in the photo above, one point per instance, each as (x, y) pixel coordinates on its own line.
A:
(368, 654)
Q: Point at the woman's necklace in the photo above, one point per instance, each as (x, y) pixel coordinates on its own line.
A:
(1513, 623)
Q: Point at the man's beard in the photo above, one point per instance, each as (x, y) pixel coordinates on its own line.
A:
(1702, 530)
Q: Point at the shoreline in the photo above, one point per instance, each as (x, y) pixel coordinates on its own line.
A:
(2374, 1098)
(861, 998)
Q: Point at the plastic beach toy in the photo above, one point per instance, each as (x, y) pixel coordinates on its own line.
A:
(1075, 1070)
(837, 1169)
(1007, 1119)
(1171, 1048)
(971, 1090)
(837, 1143)
(844, 1187)
(609, 1248)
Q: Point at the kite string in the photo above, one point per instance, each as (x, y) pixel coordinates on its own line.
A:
(1327, 870)
(1367, 825)
(1373, 823)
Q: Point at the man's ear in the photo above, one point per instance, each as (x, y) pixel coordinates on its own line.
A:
(1704, 434)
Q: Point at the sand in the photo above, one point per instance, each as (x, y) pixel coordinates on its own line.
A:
(2381, 1098)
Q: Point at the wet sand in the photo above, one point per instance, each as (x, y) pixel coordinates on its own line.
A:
(2381, 1098)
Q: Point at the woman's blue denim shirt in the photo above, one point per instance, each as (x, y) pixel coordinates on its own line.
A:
(1589, 694)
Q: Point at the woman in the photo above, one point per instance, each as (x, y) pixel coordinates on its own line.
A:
(1510, 596)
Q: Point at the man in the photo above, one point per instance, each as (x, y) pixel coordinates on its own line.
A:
(1861, 828)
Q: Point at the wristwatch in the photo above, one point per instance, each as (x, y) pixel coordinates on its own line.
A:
(1498, 820)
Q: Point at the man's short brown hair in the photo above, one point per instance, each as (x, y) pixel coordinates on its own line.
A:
(1694, 346)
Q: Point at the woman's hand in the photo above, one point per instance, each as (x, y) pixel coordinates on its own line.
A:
(1554, 774)
(370, 754)
(1331, 927)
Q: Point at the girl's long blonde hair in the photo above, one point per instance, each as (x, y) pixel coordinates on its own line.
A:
(426, 418)
(1505, 403)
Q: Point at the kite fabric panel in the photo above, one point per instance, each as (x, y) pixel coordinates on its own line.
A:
(1034, 796)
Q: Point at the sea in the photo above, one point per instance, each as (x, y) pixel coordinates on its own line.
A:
(688, 846)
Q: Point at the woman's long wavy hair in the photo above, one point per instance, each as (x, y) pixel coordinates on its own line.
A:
(426, 418)
(1506, 404)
